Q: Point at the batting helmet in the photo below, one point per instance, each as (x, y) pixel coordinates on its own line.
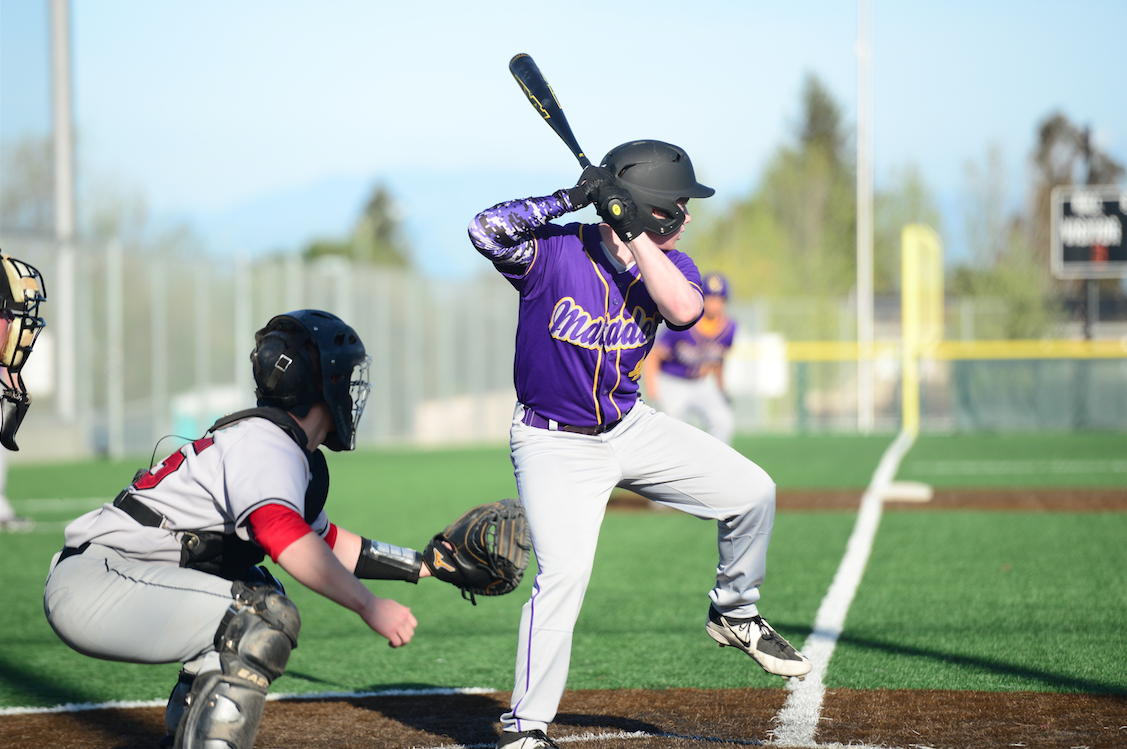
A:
(308, 356)
(657, 175)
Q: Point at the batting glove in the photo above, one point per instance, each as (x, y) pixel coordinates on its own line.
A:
(617, 208)
(593, 179)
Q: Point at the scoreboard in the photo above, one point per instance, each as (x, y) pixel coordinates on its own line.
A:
(1087, 231)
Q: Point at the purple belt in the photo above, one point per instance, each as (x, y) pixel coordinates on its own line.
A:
(533, 419)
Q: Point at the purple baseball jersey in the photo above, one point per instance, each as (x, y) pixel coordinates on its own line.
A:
(586, 322)
(693, 352)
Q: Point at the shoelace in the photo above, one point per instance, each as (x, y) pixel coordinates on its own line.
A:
(764, 629)
(541, 736)
(743, 626)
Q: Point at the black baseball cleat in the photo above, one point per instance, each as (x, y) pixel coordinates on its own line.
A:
(759, 640)
(525, 740)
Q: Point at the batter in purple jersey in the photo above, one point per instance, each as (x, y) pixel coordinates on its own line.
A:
(591, 299)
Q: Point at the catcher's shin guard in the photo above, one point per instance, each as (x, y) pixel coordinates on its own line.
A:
(177, 703)
(254, 641)
(223, 713)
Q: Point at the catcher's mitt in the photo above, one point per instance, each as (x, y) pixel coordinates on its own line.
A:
(484, 552)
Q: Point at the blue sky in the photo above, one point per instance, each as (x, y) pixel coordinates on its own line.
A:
(263, 124)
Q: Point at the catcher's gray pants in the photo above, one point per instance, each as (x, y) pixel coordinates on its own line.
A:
(565, 480)
(682, 398)
(107, 606)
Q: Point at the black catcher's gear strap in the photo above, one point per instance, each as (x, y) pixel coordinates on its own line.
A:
(484, 552)
(276, 416)
(138, 510)
(293, 346)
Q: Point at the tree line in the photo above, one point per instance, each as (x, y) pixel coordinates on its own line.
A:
(793, 235)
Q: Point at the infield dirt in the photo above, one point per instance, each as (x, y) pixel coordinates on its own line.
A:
(629, 719)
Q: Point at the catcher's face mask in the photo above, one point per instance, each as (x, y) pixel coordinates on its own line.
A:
(359, 386)
(21, 291)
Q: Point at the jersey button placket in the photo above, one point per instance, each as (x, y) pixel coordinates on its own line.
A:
(603, 390)
(614, 304)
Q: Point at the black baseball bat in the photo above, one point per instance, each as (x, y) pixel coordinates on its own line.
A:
(544, 101)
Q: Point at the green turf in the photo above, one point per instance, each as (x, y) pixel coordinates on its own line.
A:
(1019, 460)
(816, 461)
(937, 607)
(993, 601)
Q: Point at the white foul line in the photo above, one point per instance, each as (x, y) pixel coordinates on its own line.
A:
(613, 736)
(72, 707)
(798, 720)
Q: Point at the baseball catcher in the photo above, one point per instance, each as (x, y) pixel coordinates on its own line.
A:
(170, 570)
(484, 552)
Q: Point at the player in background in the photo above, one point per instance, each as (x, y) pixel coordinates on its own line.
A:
(21, 291)
(684, 373)
(9, 520)
(591, 299)
(168, 572)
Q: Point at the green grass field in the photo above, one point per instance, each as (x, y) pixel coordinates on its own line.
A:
(949, 600)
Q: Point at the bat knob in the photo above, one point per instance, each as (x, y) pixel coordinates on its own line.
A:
(616, 207)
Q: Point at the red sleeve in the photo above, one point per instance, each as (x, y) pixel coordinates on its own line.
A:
(275, 527)
(331, 536)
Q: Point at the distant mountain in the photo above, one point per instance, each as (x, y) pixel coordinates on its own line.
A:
(286, 220)
(437, 208)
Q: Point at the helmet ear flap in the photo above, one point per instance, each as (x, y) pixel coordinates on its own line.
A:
(284, 372)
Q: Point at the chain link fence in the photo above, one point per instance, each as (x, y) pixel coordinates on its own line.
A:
(163, 343)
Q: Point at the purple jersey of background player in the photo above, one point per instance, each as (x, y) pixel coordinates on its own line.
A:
(693, 352)
(586, 323)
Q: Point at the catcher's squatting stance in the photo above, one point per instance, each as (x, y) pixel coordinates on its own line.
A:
(169, 571)
(684, 373)
(591, 300)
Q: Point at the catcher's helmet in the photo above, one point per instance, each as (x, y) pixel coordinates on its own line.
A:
(657, 175)
(304, 357)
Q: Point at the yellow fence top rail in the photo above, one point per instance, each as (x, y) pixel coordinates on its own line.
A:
(830, 351)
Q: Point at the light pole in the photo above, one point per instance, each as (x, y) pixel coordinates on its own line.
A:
(63, 301)
(865, 406)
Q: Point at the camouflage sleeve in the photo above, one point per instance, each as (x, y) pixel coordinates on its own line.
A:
(505, 233)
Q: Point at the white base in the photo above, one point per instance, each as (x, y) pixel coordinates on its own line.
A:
(907, 491)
